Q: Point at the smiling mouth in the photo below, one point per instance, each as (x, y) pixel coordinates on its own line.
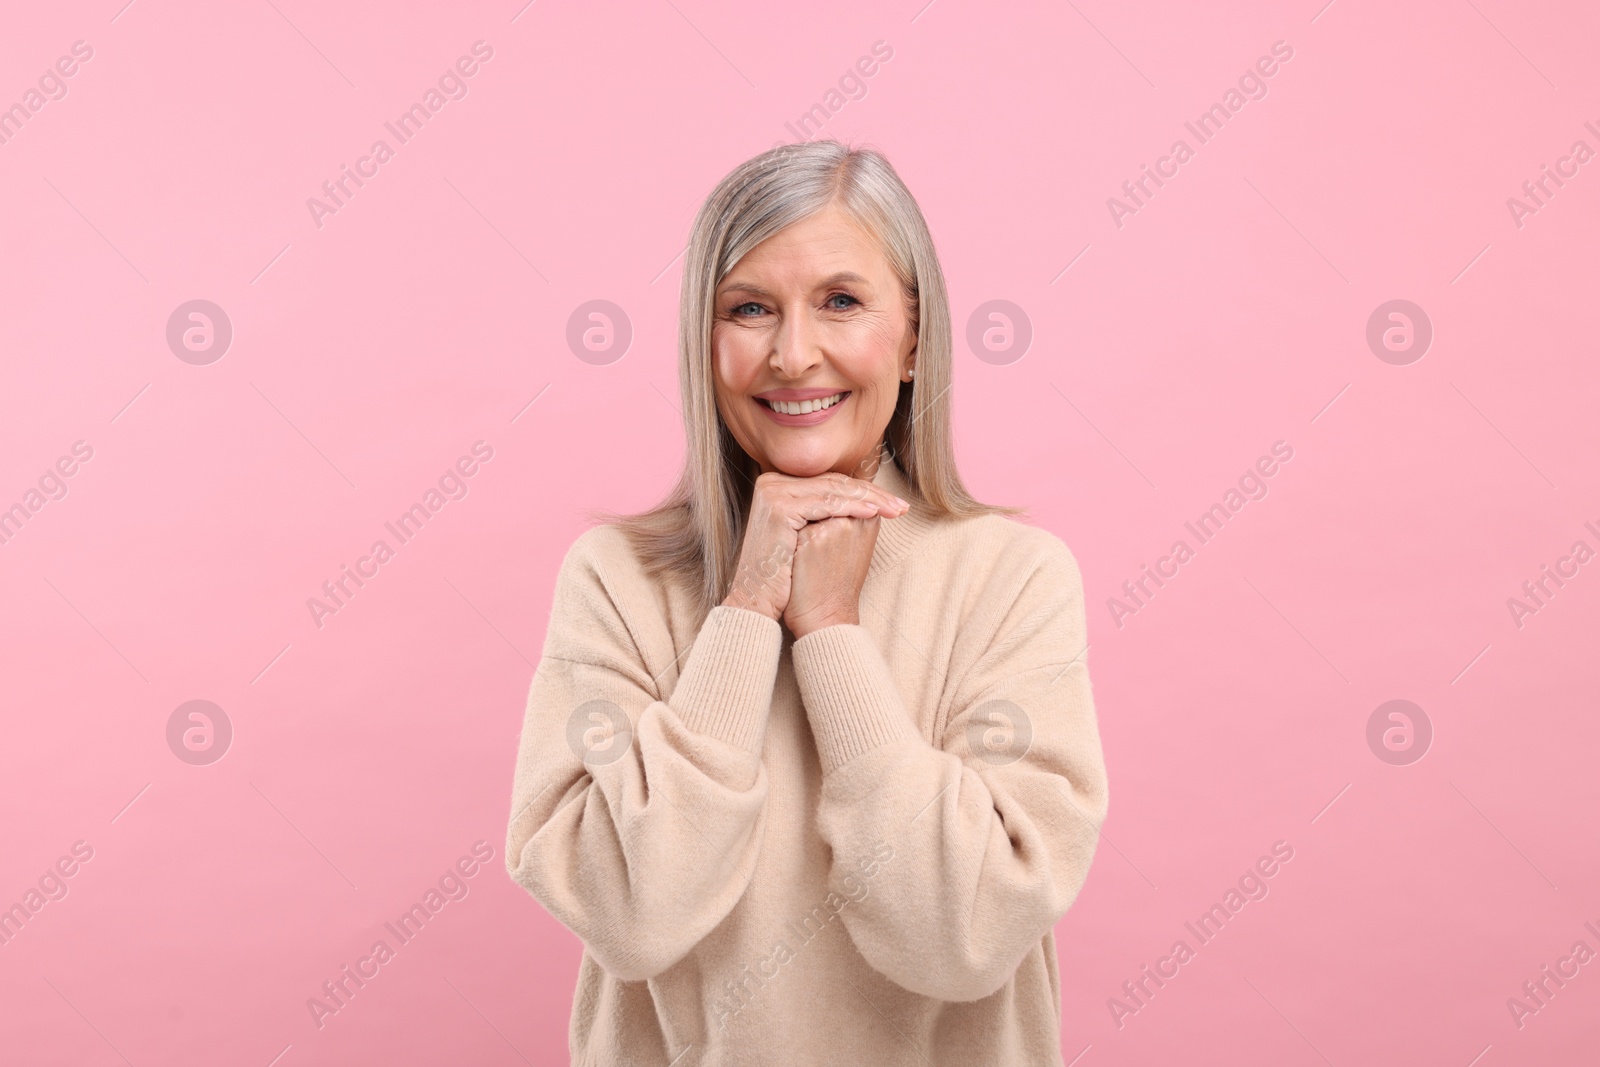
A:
(803, 407)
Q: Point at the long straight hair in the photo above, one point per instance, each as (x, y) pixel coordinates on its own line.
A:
(695, 534)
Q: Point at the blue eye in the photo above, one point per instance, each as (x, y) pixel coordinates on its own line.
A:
(843, 296)
(741, 307)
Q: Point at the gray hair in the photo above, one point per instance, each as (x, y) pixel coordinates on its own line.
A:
(695, 534)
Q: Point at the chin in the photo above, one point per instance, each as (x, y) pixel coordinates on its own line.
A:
(804, 465)
(805, 469)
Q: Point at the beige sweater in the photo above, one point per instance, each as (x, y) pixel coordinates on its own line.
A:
(849, 849)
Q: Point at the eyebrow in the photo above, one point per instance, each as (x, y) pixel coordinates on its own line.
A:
(832, 279)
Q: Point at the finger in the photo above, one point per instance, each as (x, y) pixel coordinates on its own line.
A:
(813, 510)
(887, 501)
(826, 496)
(831, 484)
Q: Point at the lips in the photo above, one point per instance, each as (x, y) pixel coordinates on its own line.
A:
(808, 408)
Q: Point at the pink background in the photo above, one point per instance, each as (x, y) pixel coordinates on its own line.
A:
(369, 353)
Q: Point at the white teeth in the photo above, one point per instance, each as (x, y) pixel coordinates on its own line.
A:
(803, 407)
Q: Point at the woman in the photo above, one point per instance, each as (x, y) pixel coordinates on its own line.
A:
(810, 761)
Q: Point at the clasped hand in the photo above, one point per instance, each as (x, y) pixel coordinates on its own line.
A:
(807, 547)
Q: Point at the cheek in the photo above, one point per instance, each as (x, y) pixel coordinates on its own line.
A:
(734, 358)
(869, 354)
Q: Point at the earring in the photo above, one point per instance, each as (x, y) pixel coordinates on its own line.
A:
(912, 373)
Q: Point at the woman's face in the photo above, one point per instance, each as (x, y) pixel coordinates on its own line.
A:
(813, 313)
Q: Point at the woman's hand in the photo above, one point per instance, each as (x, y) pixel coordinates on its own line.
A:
(830, 566)
(781, 507)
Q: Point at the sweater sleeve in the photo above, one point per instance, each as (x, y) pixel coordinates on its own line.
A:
(635, 819)
(970, 850)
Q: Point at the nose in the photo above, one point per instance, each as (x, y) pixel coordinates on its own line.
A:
(795, 350)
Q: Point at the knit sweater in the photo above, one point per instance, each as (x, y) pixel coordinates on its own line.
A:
(850, 848)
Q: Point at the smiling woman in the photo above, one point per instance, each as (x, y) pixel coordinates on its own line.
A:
(817, 654)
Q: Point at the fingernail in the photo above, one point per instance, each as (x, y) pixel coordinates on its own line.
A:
(904, 503)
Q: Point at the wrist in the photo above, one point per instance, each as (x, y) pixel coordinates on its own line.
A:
(811, 626)
(760, 607)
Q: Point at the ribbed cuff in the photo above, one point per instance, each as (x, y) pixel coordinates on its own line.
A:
(850, 696)
(725, 689)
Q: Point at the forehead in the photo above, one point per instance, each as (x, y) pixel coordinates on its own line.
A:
(828, 243)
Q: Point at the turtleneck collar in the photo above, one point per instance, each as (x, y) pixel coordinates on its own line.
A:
(897, 536)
